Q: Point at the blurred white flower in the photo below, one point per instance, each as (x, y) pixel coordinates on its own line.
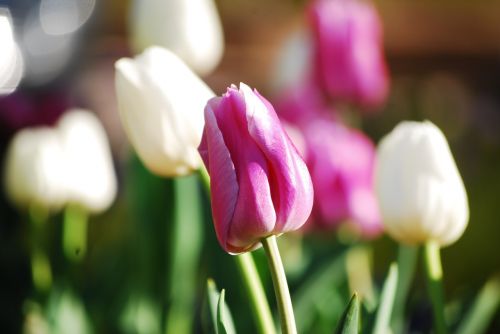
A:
(35, 169)
(161, 103)
(292, 65)
(191, 29)
(11, 60)
(421, 194)
(91, 179)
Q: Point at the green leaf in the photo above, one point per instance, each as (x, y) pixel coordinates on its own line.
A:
(386, 302)
(349, 322)
(407, 264)
(213, 300)
(221, 318)
(483, 309)
(220, 314)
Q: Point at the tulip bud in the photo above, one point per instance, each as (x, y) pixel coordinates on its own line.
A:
(349, 61)
(161, 107)
(35, 169)
(190, 29)
(260, 186)
(91, 178)
(421, 194)
(341, 162)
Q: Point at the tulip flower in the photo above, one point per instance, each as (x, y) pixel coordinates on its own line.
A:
(35, 170)
(293, 62)
(421, 194)
(190, 29)
(161, 107)
(349, 62)
(260, 186)
(11, 60)
(91, 179)
(341, 162)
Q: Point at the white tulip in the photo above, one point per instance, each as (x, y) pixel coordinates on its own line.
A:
(35, 169)
(11, 60)
(191, 29)
(293, 61)
(8, 54)
(422, 196)
(161, 103)
(91, 179)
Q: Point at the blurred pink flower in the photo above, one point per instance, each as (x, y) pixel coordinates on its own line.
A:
(260, 185)
(301, 104)
(349, 62)
(341, 162)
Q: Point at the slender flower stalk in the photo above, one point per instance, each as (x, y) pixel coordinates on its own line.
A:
(434, 273)
(183, 252)
(41, 271)
(258, 301)
(250, 276)
(285, 308)
(75, 228)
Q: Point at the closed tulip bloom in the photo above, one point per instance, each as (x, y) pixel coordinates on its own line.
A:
(349, 61)
(421, 194)
(191, 29)
(342, 162)
(35, 170)
(161, 105)
(91, 176)
(260, 186)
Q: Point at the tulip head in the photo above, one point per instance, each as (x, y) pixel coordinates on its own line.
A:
(260, 186)
(161, 107)
(342, 162)
(349, 62)
(91, 179)
(35, 169)
(421, 194)
(190, 29)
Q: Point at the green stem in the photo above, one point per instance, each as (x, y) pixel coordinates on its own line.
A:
(407, 260)
(205, 178)
(184, 251)
(255, 291)
(246, 265)
(75, 233)
(41, 270)
(283, 299)
(434, 273)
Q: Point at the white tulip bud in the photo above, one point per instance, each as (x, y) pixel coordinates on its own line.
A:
(161, 103)
(91, 179)
(421, 194)
(191, 29)
(35, 169)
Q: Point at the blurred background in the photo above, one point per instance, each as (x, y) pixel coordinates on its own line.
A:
(444, 64)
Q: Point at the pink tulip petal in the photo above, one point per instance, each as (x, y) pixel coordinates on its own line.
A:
(291, 184)
(223, 184)
(349, 60)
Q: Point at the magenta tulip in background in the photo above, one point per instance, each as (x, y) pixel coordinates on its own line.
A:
(260, 185)
(349, 62)
(341, 162)
(302, 104)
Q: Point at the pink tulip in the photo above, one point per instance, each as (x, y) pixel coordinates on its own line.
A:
(301, 104)
(260, 186)
(349, 60)
(341, 163)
